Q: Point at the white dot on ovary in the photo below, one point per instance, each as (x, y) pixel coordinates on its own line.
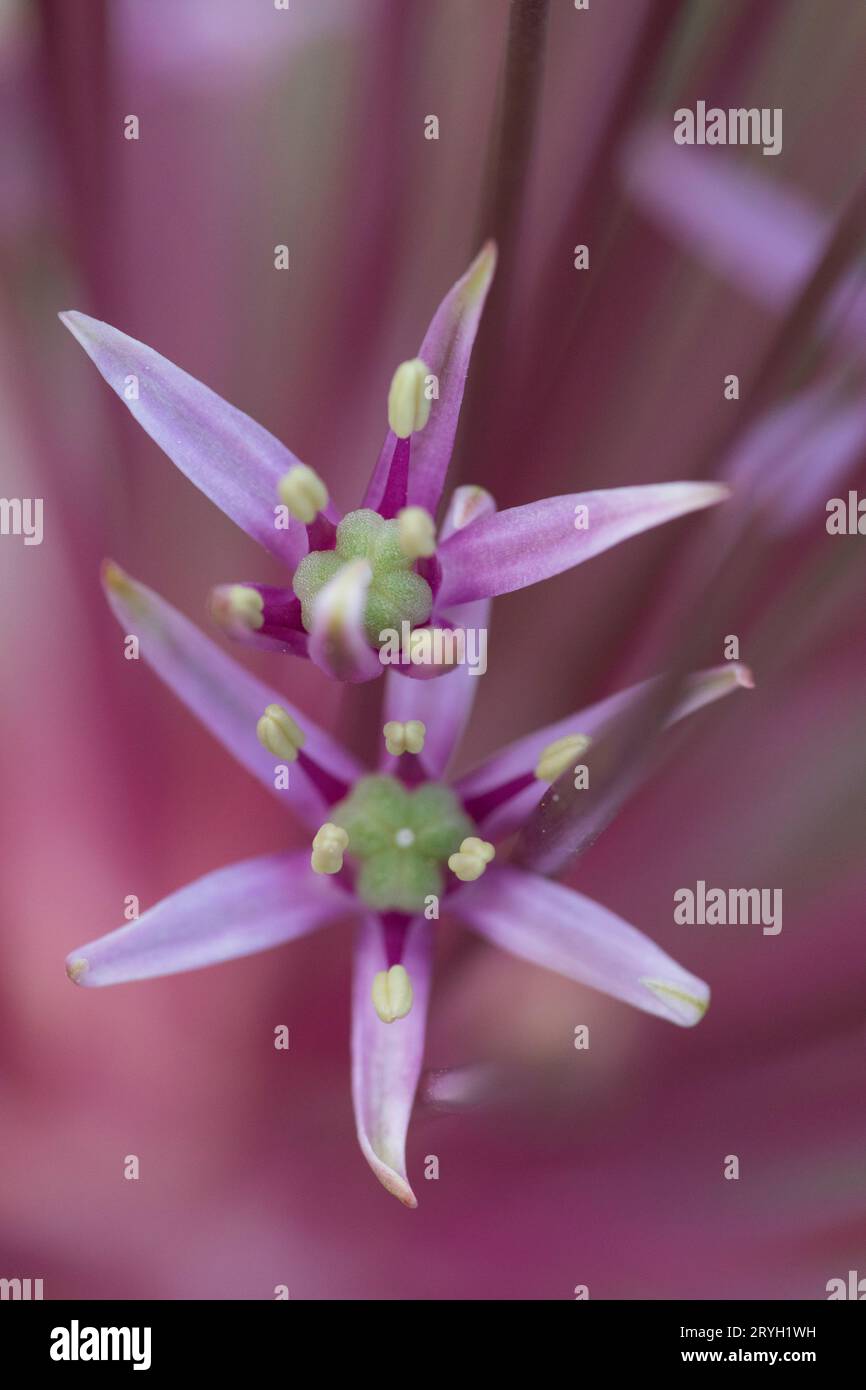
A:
(404, 838)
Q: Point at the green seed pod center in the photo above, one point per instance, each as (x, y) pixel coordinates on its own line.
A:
(401, 838)
(397, 593)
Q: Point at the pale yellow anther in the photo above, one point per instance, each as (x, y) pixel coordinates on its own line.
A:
(303, 493)
(416, 533)
(392, 993)
(408, 406)
(329, 845)
(278, 732)
(560, 755)
(404, 738)
(238, 606)
(472, 859)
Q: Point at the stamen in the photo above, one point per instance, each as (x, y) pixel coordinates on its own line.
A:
(408, 406)
(329, 843)
(392, 993)
(416, 533)
(238, 607)
(278, 732)
(472, 859)
(76, 968)
(303, 492)
(404, 738)
(560, 755)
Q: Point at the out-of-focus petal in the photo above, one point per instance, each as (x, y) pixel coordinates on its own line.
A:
(524, 545)
(761, 236)
(553, 926)
(232, 912)
(797, 456)
(502, 791)
(444, 705)
(387, 1057)
(338, 641)
(446, 350)
(227, 699)
(231, 458)
(756, 233)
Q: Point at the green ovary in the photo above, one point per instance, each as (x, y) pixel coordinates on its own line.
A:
(401, 838)
(396, 594)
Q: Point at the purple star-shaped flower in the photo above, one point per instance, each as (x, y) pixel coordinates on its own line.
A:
(380, 572)
(389, 847)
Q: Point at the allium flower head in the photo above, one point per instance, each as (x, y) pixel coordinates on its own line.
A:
(380, 570)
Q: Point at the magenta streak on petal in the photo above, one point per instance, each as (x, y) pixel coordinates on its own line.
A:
(446, 350)
(332, 789)
(480, 807)
(523, 545)
(322, 533)
(227, 699)
(395, 925)
(394, 496)
(231, 458)
(233, 912)
(387, 1057)
(559, 929)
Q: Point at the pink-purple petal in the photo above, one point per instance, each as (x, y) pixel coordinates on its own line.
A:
(338, 641)
(235, 911)
(226, 698)
(387, 1057)
(524, 545)
(551, 925)
(446, 350)
(485, 789)
(231, 458)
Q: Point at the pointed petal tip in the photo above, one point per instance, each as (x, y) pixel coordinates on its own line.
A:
(76, 969)
(482, 270)
(76, 322)
(681, 1005)
(391, 1180)
(708, 494)
(118, 585)
(745, 677)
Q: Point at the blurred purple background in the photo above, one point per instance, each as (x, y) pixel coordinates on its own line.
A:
(306, 127)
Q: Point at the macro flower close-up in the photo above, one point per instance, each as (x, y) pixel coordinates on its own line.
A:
(432, 528)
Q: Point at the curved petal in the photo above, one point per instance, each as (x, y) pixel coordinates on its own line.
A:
(797, 455)
(524, 545)
(446, 350)
(387, 1057)
(444, 705)
(502, 791)
(233, 460)
(232, 912)
(338, 641)
(553, 926)
(227, 699)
